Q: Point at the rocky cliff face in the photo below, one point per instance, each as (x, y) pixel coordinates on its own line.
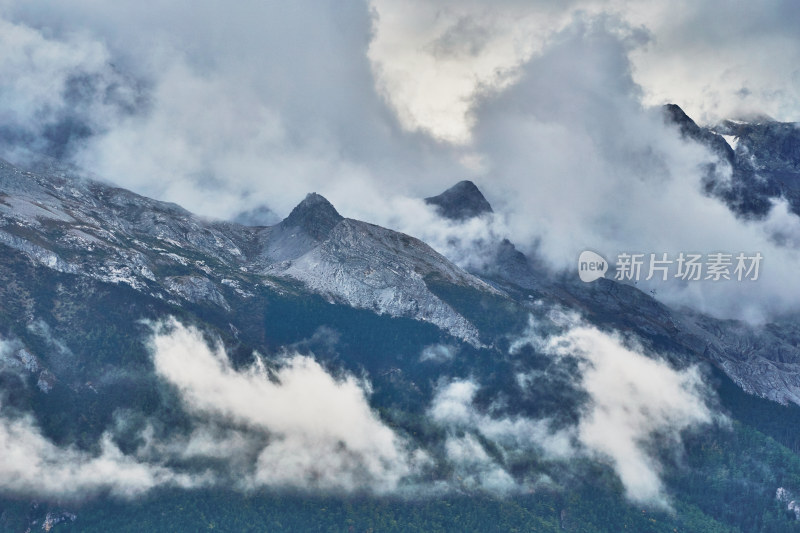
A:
(763, 157)
(84, 227)
(362, 265)
(768, 151)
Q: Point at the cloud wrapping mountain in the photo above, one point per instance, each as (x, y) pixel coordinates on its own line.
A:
(320, 432)
(199, 113)
(32, 465)
(637, 407)
(636, 402)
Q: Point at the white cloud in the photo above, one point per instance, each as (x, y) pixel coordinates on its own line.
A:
(634, 398)
(713, 60)
(31, 464)
(475, 469)
(294, 427)
(576, 159)
(300, 427)
(55, 89)
(454, 406)
(637, 404)
(581, 168)
(438, 353)
(236, 106)
(7, 359)
(222, 109)
(321, 432)
(743, 60)
(432, 59)
(454, 409)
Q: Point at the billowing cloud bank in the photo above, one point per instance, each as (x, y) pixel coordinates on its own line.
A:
(291, 424)
(637, 407)
(32, 465)
(459, 51)
(376, 104)
(317, 432)
(297, 427)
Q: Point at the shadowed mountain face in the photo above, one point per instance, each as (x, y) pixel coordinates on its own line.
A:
(461, 201)
(689, 129)
(762, 156)
(770, 150)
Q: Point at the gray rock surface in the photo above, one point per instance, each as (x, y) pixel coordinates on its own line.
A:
(79, 226)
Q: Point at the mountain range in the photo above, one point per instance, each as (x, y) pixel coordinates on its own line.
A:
(464, 366)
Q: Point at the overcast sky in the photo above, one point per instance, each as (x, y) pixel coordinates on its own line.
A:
(550, 106)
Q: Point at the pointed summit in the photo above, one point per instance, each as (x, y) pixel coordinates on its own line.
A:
(673, 113)
(314, 215)
(460, 202)
(689, 129)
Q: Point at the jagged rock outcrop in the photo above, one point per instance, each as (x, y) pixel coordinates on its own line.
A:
(763, 156)
(770, 150)
(460, 202)
(689, 129)
(363, 265)
(84, 227)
